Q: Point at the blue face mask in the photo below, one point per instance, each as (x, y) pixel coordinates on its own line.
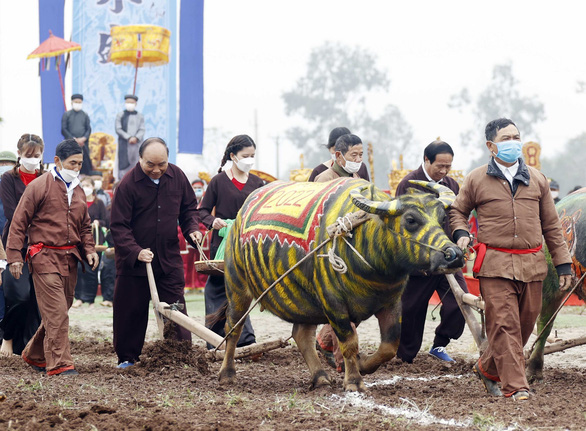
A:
(508, 151)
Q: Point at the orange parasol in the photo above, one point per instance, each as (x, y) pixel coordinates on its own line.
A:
(54, 47)
(139, 46)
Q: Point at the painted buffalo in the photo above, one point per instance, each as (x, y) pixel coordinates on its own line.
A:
(282, 222)
(572, 213)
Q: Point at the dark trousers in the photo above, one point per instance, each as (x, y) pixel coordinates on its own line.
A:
(511, 310)
(86, 288)
(86, 167)
(131, 309)
(415, 301)
(49, 347)
(108, 278)
(215, 297)
(22, 318)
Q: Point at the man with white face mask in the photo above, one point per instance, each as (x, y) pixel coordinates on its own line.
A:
(53, 213)
(75, 124)
(130, 130)
(516, 214)
(348, 159)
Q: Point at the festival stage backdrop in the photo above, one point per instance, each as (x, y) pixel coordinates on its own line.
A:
(104, 84)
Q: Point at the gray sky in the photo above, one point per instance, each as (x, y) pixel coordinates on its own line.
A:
(256, 49)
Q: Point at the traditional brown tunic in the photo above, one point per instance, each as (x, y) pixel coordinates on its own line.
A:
(44, 211)
(517, 215)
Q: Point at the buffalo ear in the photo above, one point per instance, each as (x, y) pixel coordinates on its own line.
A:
(443, 193)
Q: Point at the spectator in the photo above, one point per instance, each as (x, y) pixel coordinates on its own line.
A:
(75, 124)
(22, 318)
(130, 130)
(86, 288)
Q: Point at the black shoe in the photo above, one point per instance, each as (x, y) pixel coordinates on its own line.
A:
(38, 369)
(490, 385)
(69, 373)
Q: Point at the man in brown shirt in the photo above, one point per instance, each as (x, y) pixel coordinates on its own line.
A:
(53, 212)
(348, 159)
(515, 213)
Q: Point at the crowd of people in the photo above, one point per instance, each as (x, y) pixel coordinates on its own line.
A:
(52, 227)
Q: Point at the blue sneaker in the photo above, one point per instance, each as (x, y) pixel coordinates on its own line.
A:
(125, 364)
(441, 354)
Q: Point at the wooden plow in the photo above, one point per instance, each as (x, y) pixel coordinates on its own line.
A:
(470, 303)
(171, 312)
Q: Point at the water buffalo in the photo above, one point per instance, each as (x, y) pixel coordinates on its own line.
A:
(281, 223)
(572, 212)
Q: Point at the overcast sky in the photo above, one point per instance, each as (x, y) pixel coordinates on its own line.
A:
(254, 50)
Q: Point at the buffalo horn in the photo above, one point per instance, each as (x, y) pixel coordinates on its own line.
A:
(443, 193)
(391, 207)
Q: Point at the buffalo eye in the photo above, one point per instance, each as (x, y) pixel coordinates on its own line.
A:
(411, 223)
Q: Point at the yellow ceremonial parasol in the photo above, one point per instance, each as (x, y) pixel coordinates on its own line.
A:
(139, 45)
(54, 47)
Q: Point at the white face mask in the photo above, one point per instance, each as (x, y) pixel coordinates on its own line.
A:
(245, 164)
(351, 167)
(130, 106)
(88, 191)
(98, 184)
(68, 175)
(333, 156)
(30, 163)
(76, 106)
(555, 194)
(198, 193)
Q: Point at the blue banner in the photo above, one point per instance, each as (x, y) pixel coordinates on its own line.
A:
(191, 77)
(51, 19)
(104, 84)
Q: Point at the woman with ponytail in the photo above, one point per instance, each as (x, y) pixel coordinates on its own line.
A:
(224, 197)
(22, 317)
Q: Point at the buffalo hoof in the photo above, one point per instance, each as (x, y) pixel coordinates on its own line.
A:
(534, 372)
(354, 385)
(320, 379)
(227, 377)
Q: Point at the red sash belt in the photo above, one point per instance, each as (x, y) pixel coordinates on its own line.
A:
(36, 248)
(480, 250)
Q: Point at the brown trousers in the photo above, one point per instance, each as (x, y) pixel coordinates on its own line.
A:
(511, 310)
(49, 347)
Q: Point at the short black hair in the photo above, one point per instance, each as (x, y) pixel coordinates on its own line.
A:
(67, 148)
(345, 142)
(149, 141)
(435, 148)
(77, 96)
(494, 126)
(335, 134)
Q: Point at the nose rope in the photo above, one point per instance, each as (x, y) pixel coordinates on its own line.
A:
(445, 253)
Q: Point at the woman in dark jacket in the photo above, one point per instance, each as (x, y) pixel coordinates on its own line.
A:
(86, 288)
(22, 317)
(226, 194)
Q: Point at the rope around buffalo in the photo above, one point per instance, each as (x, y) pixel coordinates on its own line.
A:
(343, 230)
(344, 227)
